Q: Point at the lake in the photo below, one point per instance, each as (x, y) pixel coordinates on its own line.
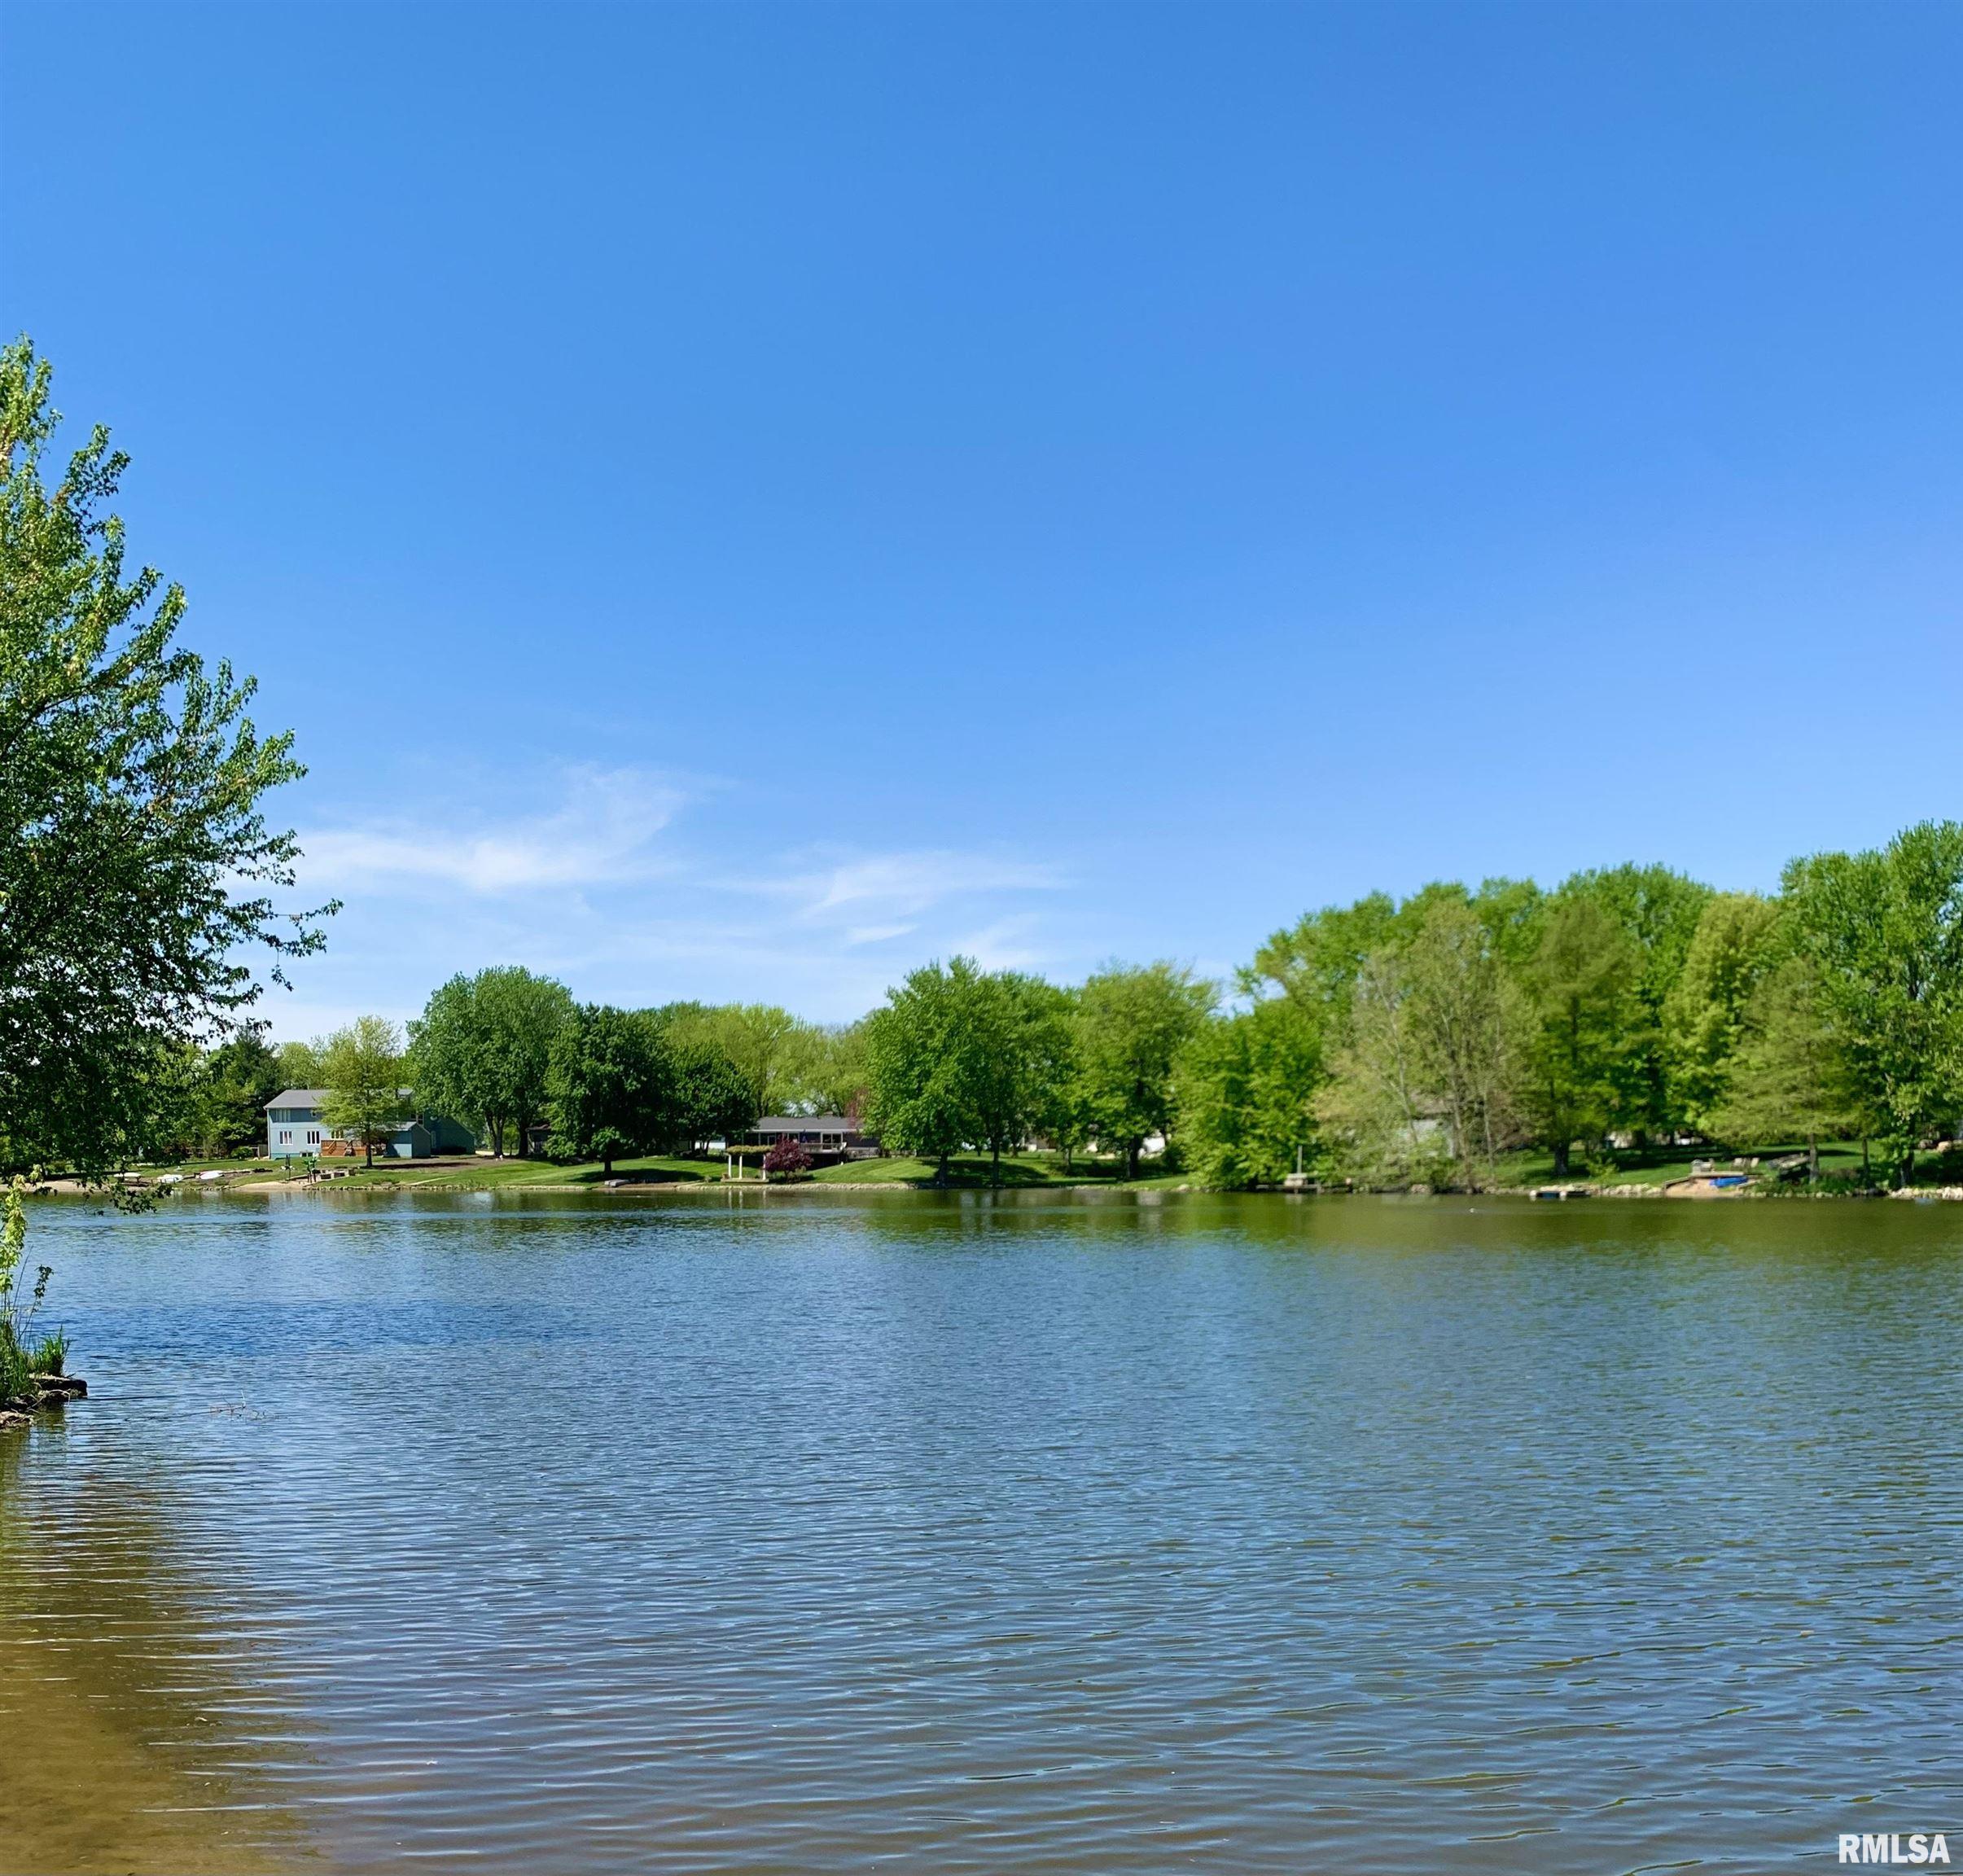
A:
(1052, 1532)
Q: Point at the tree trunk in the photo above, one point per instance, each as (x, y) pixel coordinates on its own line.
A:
(606, 1163)
(940, 1171)
(1812, 1159)
(1130, 1158)
(1561, 1153)
(995, 1166)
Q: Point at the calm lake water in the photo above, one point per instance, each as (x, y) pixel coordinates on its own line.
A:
(1117, 1534)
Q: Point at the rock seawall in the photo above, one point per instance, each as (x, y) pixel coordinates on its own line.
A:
(49, 1391)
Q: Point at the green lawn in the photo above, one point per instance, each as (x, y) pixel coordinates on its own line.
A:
(1659, 1165)
(969, 1170)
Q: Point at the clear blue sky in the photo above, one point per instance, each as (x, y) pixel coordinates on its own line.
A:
(736, 502)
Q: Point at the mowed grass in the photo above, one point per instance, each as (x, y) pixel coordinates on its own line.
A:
(1660, 1165)
(968, 1170)
(477, 1173)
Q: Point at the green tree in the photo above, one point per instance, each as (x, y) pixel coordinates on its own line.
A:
(1704, 1015)
(483, 1049)
(1375, 1111)
(1658, 912)
(1786, 1078)
(241, 1075)
(361, 1068)
(1884, 931)
(607, 1087)
(1245, 1085)
(709, 1098)
(783, 1058)
(137, 866)
(297, 1065)
(1024, 1057)
(1425, 1083)
(927, 1064)
(1469, 1022)
(1132, 1023)
(1578, 986)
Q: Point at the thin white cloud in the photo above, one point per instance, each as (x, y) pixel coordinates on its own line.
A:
(604, 884)
(601, 833)
(882, 894)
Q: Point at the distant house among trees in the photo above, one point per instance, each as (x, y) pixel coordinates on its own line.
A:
(296, 1129)
(820, 1133)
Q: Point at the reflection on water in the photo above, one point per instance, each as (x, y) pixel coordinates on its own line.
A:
(803, 1532)
(136, 1726)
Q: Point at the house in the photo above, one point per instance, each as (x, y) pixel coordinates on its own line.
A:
(295, 1130)
(838, 1133)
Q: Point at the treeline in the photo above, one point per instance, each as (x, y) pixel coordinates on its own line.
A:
(513, 1057)
(1381, 1043)
(1393, 1044)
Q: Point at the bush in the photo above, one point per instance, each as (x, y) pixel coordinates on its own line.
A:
(787, 1157)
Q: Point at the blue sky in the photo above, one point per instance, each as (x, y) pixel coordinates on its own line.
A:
(737, 502)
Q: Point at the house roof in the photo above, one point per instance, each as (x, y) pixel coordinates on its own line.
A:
(315, 1096)
(804, 1124)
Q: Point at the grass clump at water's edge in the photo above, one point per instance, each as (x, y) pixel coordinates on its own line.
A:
(22, 1359)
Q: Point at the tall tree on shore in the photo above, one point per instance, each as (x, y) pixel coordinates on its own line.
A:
(240, 1077)
(1658, 912)
(1024, 1056)
(925, 1054)
(607, 1086)
(1577, 984)
(136, 868)
(1786, 1077)
(1705, 1014)
(1884, 931)
(1133, 1023)
(483, 1049)
(1245, 1087)
(361, 1068)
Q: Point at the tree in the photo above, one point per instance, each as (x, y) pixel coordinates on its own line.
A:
(1244, 1086)
(1131, 1025)
(709, 1098)
(241, 1075)
(1578, 989)
(484, 1047)
(926, 1060)
(783, 1058)
(297, 1065)
(787, 1158)
(1024, 1057)
(1704, 1015)
(605, 1085)
(1374, 1110)
(137, 866)
(1658, 912)
(1424, 1085)
(1885, 932)
(1786, 1078)
(361, 1068)
(1467, 1019)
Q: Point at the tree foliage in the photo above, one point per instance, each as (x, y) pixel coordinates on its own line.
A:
(1133, 1023)
(137, 866)
(483, 1049)
(1884, 931)
(927, 1062)
(605, 1085)
(362, 1069)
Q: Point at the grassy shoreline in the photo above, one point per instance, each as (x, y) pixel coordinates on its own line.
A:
(1640, 1173)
